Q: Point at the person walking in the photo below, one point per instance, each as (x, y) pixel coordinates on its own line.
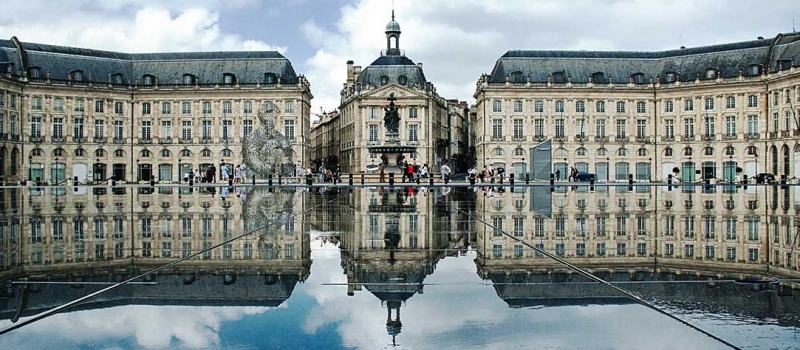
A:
(237, 175)
(445, 171)
(558, 174)
(225, 172)
(243, 169)
(197, 176)
(213, 174)
(424, 171)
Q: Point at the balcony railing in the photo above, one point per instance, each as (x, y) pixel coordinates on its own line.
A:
(753, 136)
(708, 137)
(36, 139)
(119, 140)
(59, 139)
(185, 140)
(145, 141)
(205, 140)
(165, 140)
(99, 140)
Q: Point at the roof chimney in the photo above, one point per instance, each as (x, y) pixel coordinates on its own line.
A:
(419, 64)
(350, 76)
(760, 38)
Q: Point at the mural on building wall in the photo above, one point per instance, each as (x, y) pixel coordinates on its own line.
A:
(265, 150)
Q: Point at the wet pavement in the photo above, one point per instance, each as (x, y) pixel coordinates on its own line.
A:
(704, 267)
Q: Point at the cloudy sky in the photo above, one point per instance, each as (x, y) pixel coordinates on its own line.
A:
(457, 40)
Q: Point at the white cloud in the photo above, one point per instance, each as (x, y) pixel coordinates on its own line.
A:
(131, 27)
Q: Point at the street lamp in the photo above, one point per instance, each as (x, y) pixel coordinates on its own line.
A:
(30, 168)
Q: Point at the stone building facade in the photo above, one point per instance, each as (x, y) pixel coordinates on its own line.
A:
(68, 112)
(706, 111)
(423, 113)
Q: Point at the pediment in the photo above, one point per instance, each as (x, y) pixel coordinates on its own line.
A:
(399, 91)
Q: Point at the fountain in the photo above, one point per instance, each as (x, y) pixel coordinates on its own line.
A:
(265, 150)
(391, 151)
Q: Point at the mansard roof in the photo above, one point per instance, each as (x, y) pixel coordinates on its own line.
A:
(728, 60)
(249, 67)
(392, 68)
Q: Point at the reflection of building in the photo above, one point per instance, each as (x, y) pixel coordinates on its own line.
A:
(399, 237)
(360, 124)
(705, 110)
(109, 237)
(750, 231)
(94, 114)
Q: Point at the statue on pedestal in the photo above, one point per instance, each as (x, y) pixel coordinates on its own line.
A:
(392, 118)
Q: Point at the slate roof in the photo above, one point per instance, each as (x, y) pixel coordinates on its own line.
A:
(728, 59)
(249, 67)
(392, 67)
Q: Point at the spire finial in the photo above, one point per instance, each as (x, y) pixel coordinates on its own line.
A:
(393, 11)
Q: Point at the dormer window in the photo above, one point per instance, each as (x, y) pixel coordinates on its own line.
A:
(599, 78)
(559, 78)
(670, 77)
(754, 69)
(116, 79)
(402, 80)
(35, 73)
(270, 78)
(517, 77)
(784, 64)
(638, 78)
(711, 73)
(148, 80)
(188, 79)
(384, 80)
(228, 79)
(76, 75)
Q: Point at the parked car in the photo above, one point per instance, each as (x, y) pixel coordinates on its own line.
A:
(765, 178)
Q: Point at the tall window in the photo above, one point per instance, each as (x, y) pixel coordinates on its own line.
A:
(227, 129)
(708, 126)
(36, 103)
(517, 106)
(497, 128)
(669, 128)
(688, 104)
(641, 128)
(227, 107)
(77, 128)
(730, 102)
(118, 129)
(206, 130)
(688, 127)
(709, 103)
(517, 128)
(669, 106)
(560, 132)
(600, 106)
(620, 106)
(186, 129)
(118, 110)
(412, 133)
(288, 129)
(752, 101)
(166, 108)
(206, 107)
(538, 126)
(559, 106)
(248, 107)
(289, 107)
(600, 128)
(621, 129)
(146, 130)
(580, 106)
(580, 127)
(641, 107)
(146, 108)
(412, 112)
(166, 129)
(58, 128)
(497, 106)
(730, 126)
(373, 133)
(752, 125)
(538, 106)
(58, 104)
(36, 126)
(99, 128)
(247, 127)
(186, 107)
(78, 104)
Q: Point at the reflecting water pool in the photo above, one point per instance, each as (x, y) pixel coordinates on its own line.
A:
(407, 267)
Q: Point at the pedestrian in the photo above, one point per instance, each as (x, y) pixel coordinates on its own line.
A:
(225, 172)
(213, 171)
(482, 174)
(410, 172)
(445, 171)
(210, 174)
(243, 169)
(424, 171)
(237, 174)
(473, 173)
(186, 176)
(383, 172)
(197, 176)
(558, 174)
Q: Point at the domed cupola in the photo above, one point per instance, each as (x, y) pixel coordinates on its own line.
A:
(392, 32)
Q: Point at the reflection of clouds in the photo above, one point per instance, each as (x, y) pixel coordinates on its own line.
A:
(457, 311)
(150, 326)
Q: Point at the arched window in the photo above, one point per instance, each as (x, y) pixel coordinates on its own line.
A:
(227, 153)
(711, 73)
(670, 77)
(100, 153)
(37, 152)
(205, 153)
(34, 73)
(642, 152)
(602, 152)
(620, 106)
(186, 153)
(580, 152)
(668, 152)
(144, 154)
(270, 78)
(687, 151)
(517, 77)
(76, 75)
(119, 153)
(519, 152)
(116, 79)
(80, 152)
(729, 151)
(599, 78)
(638, 78)
(188, 79)
(622, 152)
(752, 150)
(59, 152)
(709, 151)
(148, 80)
(559, 78)
(165, 153)
(754, 69)
(498, 151)
(560, 152)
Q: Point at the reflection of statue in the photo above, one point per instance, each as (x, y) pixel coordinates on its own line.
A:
(265, 150)
(392, 119)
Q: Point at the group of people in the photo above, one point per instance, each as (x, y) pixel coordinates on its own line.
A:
(487, 174)
(209, 175)
(573, 174)
(413, 172)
